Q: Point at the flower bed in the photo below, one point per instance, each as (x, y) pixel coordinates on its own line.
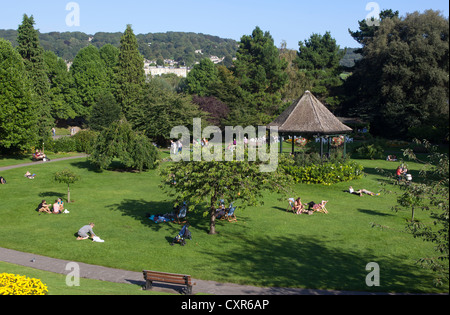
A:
(11, 284)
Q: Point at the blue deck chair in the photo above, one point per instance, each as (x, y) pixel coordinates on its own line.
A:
(291, 206)
(230, 216)
(181, 214)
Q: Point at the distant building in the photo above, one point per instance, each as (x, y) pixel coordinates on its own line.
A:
(181, 72)
(216, 59)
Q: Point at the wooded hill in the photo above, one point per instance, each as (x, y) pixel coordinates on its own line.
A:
(178, 46)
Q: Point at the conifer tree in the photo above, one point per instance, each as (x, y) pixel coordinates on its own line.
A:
(130, 74)
(33, 56)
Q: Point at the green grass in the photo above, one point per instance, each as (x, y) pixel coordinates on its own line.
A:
(266, 247)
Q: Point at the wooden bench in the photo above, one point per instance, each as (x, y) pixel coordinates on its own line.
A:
(164, 277)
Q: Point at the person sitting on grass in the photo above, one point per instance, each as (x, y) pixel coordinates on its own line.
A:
(56, 207)
(61, 204)
(83, 232)
(44, 207)
(318, 207)
(299, 208)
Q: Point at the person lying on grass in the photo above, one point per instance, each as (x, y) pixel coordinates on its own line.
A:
(361, 192)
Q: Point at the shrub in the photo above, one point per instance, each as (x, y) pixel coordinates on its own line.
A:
(85, 141)
(63, 144)
(11, 284)
(370, 151)
(326, 173)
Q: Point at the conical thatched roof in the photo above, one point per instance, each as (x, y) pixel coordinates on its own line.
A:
(309, 115)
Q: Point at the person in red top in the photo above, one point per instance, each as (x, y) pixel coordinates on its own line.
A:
(399, 174)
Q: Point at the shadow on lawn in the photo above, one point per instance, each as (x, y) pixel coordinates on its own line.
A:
(141, 209)
(312, 263)
(372, 212)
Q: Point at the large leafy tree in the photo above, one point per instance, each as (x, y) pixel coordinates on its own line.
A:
(130, 75)
(61, 91)
(18, 117)
(162, 109)
(209, 181)
(201, 78)
(89, 77)
(402, 81)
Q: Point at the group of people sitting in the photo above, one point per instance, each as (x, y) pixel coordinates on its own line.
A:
(57, 207)
(221, 210)
(300, 208)
(38, 155)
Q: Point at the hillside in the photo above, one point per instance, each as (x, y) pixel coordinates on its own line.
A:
(178, 46)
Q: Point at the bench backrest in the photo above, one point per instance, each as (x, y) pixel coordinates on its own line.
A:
(167, 277)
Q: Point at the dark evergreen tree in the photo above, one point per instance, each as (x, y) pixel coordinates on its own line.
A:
(32, 53)
(130, 75)
(318, 59)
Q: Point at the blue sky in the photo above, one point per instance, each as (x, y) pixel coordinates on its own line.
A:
(289, 20)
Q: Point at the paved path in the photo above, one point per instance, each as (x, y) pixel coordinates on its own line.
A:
(136, 278)
(4, 168)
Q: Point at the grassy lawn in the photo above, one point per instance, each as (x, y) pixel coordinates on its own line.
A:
(266, 246)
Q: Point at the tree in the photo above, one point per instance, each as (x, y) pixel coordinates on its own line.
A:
(18, 117)
(318, 58)
(197, 182)
(68, 177)
(258, 65)
(130, 73)
(431, 194)
(90, 79)
(261, 75)
(200, 79)
(367, 32)
(61, 92)
(161, 110)
(33, 56)
(410, 89)
(104, 112)
(32, 53)
(120, 141)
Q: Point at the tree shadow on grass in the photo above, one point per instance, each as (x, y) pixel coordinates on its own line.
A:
(311, 263)
(141, 210)
(372, 212)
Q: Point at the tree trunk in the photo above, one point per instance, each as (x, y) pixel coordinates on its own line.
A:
(212, 216)
(68, 193)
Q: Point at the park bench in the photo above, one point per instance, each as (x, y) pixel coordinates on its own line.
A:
(164, 277)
